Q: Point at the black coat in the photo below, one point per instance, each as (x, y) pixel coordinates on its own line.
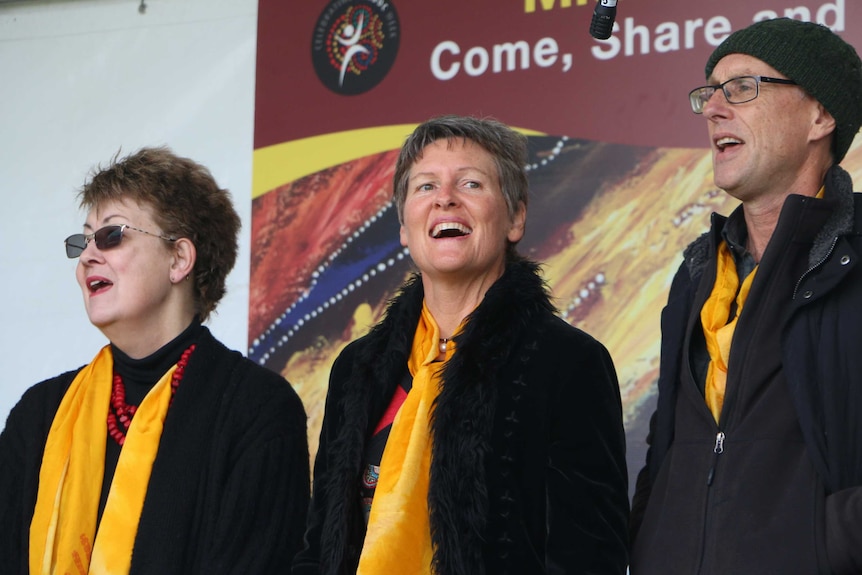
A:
(527, 437)
(814, 339)
(229, 487)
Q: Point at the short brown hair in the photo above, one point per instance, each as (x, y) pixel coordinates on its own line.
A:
(186, 202)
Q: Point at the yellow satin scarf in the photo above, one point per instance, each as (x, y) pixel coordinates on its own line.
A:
(63, 535)
(398, 539)
(717, 330)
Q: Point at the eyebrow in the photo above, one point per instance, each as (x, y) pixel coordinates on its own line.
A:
(746, 72)
(456, 170)
(106, 221)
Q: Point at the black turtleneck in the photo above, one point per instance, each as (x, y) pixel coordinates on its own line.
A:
(139, 377)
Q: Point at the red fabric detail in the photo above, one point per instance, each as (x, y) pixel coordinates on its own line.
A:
(394, 406)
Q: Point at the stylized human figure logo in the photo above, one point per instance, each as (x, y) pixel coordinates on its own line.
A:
(354, 44)
(350, 40)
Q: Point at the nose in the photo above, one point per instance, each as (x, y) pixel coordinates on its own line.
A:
(91, 252)
(446, 196)
(717, 105)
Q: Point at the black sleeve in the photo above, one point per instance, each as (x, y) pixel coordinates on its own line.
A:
(309, 560)
(587, 484)
(22, 443)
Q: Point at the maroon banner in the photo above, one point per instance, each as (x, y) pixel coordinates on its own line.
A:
(531, 63)
(620, 173)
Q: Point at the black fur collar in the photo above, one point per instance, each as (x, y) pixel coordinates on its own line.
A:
(462, 419)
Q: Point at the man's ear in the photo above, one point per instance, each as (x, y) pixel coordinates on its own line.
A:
(823, 123)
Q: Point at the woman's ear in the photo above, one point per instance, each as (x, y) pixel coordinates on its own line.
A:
(184, 256)
(519, 224)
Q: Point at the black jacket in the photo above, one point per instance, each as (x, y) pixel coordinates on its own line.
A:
(229, 487)
(697, 511)
(527, 433)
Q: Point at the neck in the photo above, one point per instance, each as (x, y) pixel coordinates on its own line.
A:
(451, 302)
(142, 341)
(762, 203)
(760, 227)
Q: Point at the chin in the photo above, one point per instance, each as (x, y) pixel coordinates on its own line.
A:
(724, 182)
(99, 319)
(450, 267)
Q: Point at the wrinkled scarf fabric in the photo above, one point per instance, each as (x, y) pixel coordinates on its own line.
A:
(398, 538)
(63, 536)
(717, 330)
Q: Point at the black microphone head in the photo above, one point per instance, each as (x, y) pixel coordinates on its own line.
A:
(603, 21)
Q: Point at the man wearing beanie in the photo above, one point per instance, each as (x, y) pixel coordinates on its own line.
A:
(755, 449)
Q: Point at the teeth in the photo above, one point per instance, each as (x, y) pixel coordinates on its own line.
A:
(722, 142)
(459, 229)
(96, 284)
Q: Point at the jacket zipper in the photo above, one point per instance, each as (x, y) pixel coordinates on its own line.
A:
(717, 450)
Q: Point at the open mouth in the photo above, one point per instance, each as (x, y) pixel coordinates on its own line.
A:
(450, 230)
(723, 143)
(96, 285)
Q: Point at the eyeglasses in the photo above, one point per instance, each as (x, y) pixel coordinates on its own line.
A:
(737, 90)
(105, 238)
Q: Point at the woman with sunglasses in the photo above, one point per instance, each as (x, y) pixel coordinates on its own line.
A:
(167, 453)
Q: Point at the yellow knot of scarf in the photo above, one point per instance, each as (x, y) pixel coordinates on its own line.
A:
(63, 535)
(398, 539)
(717, 330)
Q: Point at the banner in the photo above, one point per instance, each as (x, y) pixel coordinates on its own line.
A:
(620, 171)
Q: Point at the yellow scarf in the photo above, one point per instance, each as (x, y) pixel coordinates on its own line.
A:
(717, 330)
(63, 535)
(398, 539)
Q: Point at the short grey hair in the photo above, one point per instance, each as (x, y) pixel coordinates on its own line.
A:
(507, 147)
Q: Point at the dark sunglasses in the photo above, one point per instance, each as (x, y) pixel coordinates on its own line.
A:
(105, 238)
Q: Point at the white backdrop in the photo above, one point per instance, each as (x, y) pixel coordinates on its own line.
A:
(80, 80)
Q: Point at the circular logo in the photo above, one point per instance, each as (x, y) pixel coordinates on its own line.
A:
(354, 44)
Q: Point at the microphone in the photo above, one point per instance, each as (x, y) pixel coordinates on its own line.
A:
(603, 19)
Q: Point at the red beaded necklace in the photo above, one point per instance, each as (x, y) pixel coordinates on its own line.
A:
(121, 413)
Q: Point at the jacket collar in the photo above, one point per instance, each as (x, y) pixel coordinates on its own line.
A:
(839, 192)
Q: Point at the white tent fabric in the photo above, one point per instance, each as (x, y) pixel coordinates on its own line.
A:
(82, 79)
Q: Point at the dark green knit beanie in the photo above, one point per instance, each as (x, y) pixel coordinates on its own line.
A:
(814, 57)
